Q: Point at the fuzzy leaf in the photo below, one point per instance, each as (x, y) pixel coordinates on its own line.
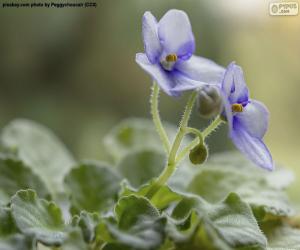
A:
(16, 242)
(10, 237)
(281, 235)
(93, 186)
(40, 149)
(229, 173)
(38, 218)
(134, 134)
(88, 223)
(161, 199)
(115, 246)
(74, 241)
(225, 225)
(15, 176)
(137, 135)
(7, 224)
(138, 226)
(140, 167)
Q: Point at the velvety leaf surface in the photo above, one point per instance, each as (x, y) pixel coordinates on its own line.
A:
(138, 226)
(282, 236)
(93, 186)
(134, 134)
(115, 246)
(40, 149)
(10, 237)
(229, 173)
(38, 218)
(139, 135)
(75, 241)
(7, 224)
(16, 242)
(162, 199)
(140, 167)
(88, 223)
(224, 225)
(14, 175)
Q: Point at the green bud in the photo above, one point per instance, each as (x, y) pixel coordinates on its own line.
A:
(209, 102)
(198, 154)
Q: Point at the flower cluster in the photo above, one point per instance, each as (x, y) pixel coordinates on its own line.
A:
(169, 58)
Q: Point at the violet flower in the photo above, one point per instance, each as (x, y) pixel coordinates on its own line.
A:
(168, 58)
(247, 118)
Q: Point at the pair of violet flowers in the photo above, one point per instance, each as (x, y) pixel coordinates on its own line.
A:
(169, 59)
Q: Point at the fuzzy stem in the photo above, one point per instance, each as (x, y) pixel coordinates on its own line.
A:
(195, 132)
(171, 164)
(212, 127)
(187, 149)
(156, 118)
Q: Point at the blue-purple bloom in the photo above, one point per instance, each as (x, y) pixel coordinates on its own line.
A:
(168, 58)
(247, 118)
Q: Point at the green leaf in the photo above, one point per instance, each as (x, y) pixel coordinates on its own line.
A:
(88, 223)
(16, 242)
(140, 167)
(94, 186)
(75, 241)
(40, 149)
(134, 134)
(15, 176)
(10, 238)
(139, 224)
(130, 208)
(38, 218)
(7, 224)
(182, 229)
(114, 246)
(225, 225)
(284, 237)
(229, 172)
(161, 199)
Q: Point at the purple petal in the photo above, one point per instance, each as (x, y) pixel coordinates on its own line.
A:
(240, 93)
(152, 45)
(201, 69)
(227, 111)
(253, 148)
(254, 118)
(175, 34)
(162, 78)
(228, 83)
(183, 83)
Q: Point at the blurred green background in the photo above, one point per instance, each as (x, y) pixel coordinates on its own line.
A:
(74, 69)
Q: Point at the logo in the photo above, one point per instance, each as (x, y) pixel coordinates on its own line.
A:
(284, 9)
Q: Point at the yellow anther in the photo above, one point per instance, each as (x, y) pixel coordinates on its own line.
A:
(236, 107)
(171, 58)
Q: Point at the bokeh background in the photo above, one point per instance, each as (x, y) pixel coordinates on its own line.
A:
(74, 69)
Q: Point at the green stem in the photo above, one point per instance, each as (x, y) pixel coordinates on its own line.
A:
(156, 117)
(195, 132)
(212, 127)
(187, 149)
(215, 123)
(171, 164)
(182, 127)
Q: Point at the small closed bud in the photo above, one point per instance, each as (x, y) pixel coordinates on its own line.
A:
(209, 102)
(198, 154)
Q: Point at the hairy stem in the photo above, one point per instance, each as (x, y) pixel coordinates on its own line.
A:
(213, 126)
(171, 164)
(206, 132)
(156, 118)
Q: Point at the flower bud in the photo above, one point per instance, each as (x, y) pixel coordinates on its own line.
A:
(198, 154)
(209, 102)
